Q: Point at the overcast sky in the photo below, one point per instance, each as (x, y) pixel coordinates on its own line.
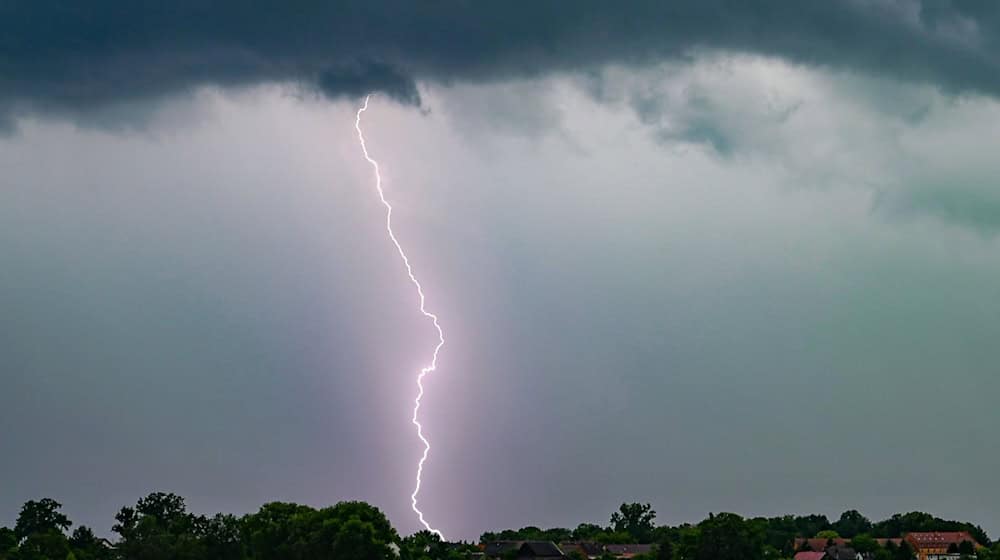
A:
(716, 257)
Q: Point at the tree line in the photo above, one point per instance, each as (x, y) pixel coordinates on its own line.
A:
(728, 536)
(159, 527)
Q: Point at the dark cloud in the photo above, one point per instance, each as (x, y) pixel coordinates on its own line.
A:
(72, 57)
(361, 77)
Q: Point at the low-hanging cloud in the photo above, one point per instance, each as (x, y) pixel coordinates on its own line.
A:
(73, 58)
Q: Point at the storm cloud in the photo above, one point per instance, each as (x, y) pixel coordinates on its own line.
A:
(677, 250)
(71, 58)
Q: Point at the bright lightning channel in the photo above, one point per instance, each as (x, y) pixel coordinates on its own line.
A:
(423, 309)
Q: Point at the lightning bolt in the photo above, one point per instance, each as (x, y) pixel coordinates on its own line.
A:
(423, 309)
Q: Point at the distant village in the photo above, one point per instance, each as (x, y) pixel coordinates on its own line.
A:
(949, 545)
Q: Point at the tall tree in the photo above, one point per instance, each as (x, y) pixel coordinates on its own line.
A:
(270, 534)
(852, 523)
(348, 530)
(809, 525)
(159, 527)
(727, 536)
(40, 516)
(586, 532)
(636, 520)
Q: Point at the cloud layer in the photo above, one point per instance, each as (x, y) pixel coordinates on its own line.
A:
(71, 58)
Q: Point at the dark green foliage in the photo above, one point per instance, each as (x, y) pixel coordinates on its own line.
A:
(728, 536)
(586, 532)
(42, 516)
(86, 546)
(45, 545)
(8, 541)
(904, 552)
(852, 523)
(221, 537)
(348, 530)
(272, 532)
(664, 550)
(38, 533)
(807, 525)
(159, 527)
(636, 520)
(421, 545)
(686, 546)
(864, 543)
(425, 545)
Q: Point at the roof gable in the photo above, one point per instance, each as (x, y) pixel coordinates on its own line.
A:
(545, 549)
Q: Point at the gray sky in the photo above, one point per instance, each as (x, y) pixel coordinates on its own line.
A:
(689, 267)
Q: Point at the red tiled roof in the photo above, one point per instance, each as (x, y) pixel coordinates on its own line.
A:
(939, 539)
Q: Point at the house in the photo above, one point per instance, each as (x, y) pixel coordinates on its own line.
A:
(539, 549)
(838, 552)
(822, 545)
(831, 553)
(628, 550)
(586, 549)
(499, 549)
(943, 545)
(523, 550)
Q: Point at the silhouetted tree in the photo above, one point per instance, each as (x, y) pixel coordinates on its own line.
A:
(586, 532)
(727, 536)
(40, 516)
(852, 523)
(159, 527)
(636, 520)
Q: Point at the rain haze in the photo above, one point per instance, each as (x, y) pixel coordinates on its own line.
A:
(713, 256)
